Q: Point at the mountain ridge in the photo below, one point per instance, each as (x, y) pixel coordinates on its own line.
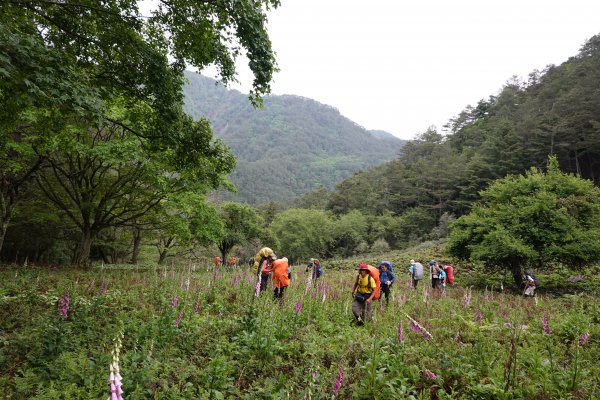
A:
(293, 142)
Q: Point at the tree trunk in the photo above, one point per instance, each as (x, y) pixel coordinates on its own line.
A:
(137, 239)
(3, 228)
(162, 256)
(517, 274)
(83, 250)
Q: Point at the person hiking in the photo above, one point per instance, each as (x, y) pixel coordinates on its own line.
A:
(529, 280)
(217, 261)
(315, 269)
(363, 293)
(387, 278)
(416, 273)
(280, 276)
(433, 271)
(263, 266)
(441, 280)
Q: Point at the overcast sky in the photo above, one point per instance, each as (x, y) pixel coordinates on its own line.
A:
(402, 66)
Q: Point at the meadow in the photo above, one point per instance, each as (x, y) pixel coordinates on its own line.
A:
(193, 332)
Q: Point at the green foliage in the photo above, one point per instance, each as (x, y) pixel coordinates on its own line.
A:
(234, 345)
(240, 224)
(532, 220)
(303, 233)
(290, 147)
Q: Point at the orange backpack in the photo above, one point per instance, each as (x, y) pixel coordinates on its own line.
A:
(374, 273)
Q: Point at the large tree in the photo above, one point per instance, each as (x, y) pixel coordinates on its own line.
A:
(241, 224)
(64, 61)
(531, 220)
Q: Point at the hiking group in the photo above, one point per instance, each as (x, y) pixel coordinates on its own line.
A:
(368, 284)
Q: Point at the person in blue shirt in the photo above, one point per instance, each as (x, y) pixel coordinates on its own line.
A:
(387, 278)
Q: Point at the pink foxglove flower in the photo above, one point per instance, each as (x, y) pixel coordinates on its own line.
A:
(174, 301)
(429, 375)
(298, 307)
(400, 333)
(545, 325)
(63, 304)
(584, 338)
(197, 306)
(338, 382)
(257, 292)
(179, 318)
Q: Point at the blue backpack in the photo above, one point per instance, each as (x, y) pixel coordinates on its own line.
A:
(388, 264)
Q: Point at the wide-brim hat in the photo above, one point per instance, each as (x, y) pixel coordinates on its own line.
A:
(362, 266)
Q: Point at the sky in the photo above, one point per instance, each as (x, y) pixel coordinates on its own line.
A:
(402, 66)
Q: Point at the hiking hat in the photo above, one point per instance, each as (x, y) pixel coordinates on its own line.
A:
(412, 262)
(362, 266)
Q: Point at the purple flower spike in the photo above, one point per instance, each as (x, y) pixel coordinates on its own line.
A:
(584, 338)
(429, 375)
(338, 382)
(174, 301)
(63, 304)
(545, 326)
(298, 307)
(400, 333)
(179, 318)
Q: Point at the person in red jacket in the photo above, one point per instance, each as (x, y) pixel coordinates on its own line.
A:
(217, 261)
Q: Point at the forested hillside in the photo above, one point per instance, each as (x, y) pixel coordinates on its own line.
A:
(557, 111)
(289, 147)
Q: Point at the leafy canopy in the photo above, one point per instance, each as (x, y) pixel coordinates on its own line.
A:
(532, 220)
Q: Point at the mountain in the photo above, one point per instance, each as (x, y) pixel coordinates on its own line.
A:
(291, 146)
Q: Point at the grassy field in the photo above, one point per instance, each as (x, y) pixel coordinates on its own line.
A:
(195, 333)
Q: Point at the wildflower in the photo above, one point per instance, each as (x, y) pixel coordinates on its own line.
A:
(338, 382)
(400, 333)
(115, 379)
(315, 375)
(478, 316)
(197, 306)
(103, 288)
(179, 318)
(429, 375)
(298, 307)
(545, 326)
(63, 305)
(187, 284)
(257, 293)
(90, 286)
(174, 301)
(324, 296)
(467, 299)
(584, 338)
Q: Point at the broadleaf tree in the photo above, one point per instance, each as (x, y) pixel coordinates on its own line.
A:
(531, 221)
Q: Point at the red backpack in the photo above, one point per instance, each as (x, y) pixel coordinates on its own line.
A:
(449, 270)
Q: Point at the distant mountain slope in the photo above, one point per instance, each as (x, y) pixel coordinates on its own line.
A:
(288, 148)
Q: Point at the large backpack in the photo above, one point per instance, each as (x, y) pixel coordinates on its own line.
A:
(418, 271)
(389, 265)
(374, 272)
(535, 279)
(449, 270)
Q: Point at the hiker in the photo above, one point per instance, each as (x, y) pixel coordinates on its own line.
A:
(387, 278)
(416, 273)
(280, 276)
(433, 271)
(217, 261)
(263, 265)
(314, 266)
(363, 293)
(441, 280)
(232, 261)
(530, 286)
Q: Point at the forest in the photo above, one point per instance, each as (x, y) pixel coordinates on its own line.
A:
(111, 213)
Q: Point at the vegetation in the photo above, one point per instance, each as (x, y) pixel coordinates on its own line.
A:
(532, 221)
(192, 333)
(291, 146)
(91, 106)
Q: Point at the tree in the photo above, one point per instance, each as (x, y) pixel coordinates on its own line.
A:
(303, 233)
(67, 61)
(531, 220)
(241, 223)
